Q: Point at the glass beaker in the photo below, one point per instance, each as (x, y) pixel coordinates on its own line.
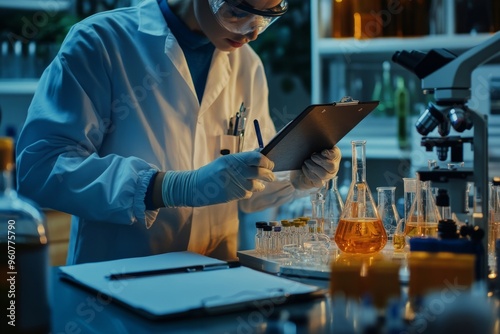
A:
(424, 215)
(333, 206)
(360, 229)
(387, 209)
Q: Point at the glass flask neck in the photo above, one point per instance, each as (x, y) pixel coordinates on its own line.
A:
(331, 185)
(334, 183)
(359, 161)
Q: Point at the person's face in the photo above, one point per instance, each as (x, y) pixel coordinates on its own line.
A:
(222, 38)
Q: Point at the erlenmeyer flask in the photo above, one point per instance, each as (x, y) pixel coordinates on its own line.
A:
(333, 206)
(360, 229)
(424, 215)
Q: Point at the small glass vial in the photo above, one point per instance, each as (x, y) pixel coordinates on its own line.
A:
(276, 240)
(259, 226)
(360, 230)
(286, 232)
(266, 240)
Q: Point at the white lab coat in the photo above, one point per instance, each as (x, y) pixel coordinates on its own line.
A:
(117, 104)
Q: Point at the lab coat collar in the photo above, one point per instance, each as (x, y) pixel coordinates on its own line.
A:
(218, 78)
(151, 19)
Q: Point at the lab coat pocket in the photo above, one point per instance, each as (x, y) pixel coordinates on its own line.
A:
(229, 144)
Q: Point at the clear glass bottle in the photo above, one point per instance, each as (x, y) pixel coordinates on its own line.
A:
(384, 92)
(333, 206)
(387, 210)
(402, 111)
(25, 269)
(318, 211)
(360, 229)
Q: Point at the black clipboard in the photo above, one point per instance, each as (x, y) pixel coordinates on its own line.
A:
(318, 127)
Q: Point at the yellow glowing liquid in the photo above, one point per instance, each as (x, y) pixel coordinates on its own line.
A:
(413, 229)
(398, 241)
(360, 235)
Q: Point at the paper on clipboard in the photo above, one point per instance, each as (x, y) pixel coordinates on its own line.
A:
(318, 127)
(184, 294)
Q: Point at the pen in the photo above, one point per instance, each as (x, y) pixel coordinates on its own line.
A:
(257, 132)
(167, 271)
(236, 123)
(230, 129)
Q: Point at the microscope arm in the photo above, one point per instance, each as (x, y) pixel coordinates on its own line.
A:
(451, 83)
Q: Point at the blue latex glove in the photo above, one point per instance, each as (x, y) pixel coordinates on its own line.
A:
(317, 169)
(230, 177)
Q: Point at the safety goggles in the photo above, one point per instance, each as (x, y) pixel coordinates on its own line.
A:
(238, 17)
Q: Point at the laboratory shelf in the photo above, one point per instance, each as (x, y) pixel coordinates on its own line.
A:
(42, 5)
(18, 86)
(336, 46)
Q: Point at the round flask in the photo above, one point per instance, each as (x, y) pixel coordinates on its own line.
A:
(360, 230)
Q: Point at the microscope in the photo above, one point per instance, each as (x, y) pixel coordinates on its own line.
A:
(448, 78)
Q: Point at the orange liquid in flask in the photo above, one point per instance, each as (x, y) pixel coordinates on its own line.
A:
(360, 235)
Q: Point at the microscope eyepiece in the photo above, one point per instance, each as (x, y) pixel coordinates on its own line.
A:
(423, 64)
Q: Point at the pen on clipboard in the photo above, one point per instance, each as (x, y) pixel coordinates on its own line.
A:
(258, 133)
(167, 271)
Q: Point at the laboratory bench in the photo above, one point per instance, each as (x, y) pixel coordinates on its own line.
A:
(78, 310)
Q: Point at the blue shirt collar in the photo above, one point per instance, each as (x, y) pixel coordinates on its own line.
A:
(185, 37)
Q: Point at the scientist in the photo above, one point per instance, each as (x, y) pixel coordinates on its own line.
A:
(125, 129)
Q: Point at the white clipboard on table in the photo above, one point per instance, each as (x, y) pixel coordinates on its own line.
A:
(184, 293)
